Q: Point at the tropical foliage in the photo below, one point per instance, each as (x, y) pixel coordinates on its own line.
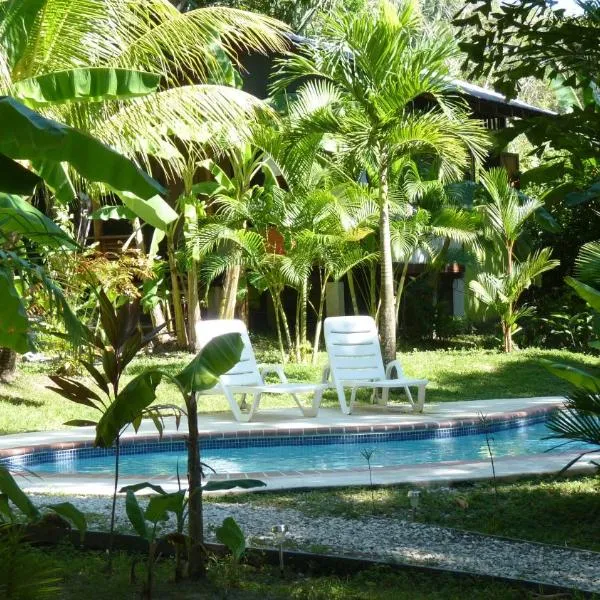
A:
(362, 89)
(504, 215)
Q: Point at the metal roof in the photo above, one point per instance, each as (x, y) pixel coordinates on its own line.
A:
(481, 93)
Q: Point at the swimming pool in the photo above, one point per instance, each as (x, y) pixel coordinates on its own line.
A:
(316, 452)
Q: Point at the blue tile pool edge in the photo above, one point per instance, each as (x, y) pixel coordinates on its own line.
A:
(32, 456)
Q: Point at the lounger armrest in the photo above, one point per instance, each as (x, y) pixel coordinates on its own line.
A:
(326, 374)
(276, 369)
(394, 365)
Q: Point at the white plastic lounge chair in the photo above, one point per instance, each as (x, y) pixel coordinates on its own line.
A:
(246, 378)
(355, 362)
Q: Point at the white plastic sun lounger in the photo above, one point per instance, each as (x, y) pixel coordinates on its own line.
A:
(355, 362)
(247, 377)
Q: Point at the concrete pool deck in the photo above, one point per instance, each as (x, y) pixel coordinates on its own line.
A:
(287, 422)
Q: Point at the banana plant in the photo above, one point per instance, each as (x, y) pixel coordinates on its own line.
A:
(115, 345)
(11, 495)
(579, 419)
(176, 503)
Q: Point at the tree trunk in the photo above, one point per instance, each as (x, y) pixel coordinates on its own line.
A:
(230, 297)
(373, 290)
(351, 287)
(180, 330)
(400, 290)
(274, 298)
(8, 365)
(507, 327)
(319, 324)
(387, 315)
(284, 322)
(303, 319)
(194, 315)
(197, 562)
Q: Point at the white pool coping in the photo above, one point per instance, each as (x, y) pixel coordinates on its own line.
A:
(288, 422)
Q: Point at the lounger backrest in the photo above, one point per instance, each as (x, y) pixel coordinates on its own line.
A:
(353, 348)
(246, 371)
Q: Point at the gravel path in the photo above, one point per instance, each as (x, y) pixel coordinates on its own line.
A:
(385, 538)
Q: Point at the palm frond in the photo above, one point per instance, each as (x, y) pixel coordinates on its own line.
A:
(587, 263)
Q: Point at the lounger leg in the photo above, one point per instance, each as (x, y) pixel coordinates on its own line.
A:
(342, 399)
(235, 409)
(420, 399)
(384, 398)
(352, 398)
(255, 403)
(409, 396)
(313, 410)
(307, 411)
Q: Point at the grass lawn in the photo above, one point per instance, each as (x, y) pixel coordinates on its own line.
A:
(564, 512)
(26, 404)
(81, 575)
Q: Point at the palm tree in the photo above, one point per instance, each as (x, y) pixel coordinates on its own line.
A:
(505, 214)
(366, 86)
(428, 218)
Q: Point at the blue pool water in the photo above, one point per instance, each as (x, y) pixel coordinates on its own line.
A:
(343, 455)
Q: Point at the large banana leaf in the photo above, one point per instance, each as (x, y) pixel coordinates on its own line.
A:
(14, 324)
(15, 178)
(56, 177)
(30, 136)
(216, 358)
(588, 293)
(154, 211)
(18, 216)
(86, 84)
(137, 395)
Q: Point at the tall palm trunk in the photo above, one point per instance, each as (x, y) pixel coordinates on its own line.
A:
(387, 315)
(400, 289)
(231, 292)
(319, 325)
(506, 325)
(180, 330)
(194, 315)
(373, 290)
(8, 364)
(352, 288)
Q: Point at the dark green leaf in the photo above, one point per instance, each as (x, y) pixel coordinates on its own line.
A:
(75, 391)
(81, 423)
(141, 486)
(14, 324)
(139, 393)
(246, 484)
(72, 514)
(135, 515)
(5, 511)
(16, 179)
(18, 216)
(232, 536)
(57, 178)
(588, 293)
(160, 506)
(577, 377)
(216, 358)
(16, 495)
(98, 377)
(34, 137)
